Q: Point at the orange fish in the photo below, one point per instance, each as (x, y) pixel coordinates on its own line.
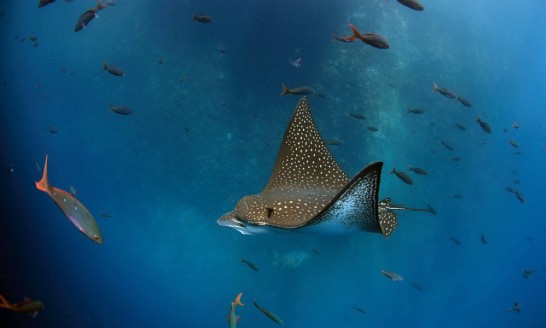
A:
(232, 317)
(27, 306)
(372, 39)
(74, 210)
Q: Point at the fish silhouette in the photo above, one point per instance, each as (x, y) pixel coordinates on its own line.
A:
(308, 190)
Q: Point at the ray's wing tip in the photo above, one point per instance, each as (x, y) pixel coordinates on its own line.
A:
(376, 165)
(303, 103)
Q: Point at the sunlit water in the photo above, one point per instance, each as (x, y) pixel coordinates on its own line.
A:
(205, 131)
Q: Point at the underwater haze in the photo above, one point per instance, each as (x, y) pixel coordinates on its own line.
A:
(159, 153)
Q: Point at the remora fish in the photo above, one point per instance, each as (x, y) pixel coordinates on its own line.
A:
(249, 264)
(75, 211)
(270, 314)
(374, 40)
(27, 306)
(232, 317)
(88, 16)
(309, 191)
(413, 4)
(303, 90)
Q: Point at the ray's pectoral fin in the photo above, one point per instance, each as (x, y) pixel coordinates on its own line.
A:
(355, 207)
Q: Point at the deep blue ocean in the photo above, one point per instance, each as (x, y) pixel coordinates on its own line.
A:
(206, 126)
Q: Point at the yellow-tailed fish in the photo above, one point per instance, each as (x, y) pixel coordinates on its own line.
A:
(27, 306)
(232, 316)
(74, 210)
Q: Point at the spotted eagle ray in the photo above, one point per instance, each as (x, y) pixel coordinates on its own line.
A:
(309, 191)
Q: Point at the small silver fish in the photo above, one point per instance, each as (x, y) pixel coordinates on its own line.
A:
(358, 116)
(359, 309)
(412, 4)
(484, 125)
(270, 314)
(88, 16)
(249, 264)
(455, 241)
(520, 196)
(392, 275)
(333, 142)
(73, 191)
(418, 170)
(447, 146)
(417, 286)
(114, 70)
(444, 92)
(121, 110)
(527, 273)
(460, 126)
(515, 308)
(464, 102)
(417, 111)
(303, 90)
(402, 176)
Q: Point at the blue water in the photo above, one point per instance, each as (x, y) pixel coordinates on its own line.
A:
(205, 132)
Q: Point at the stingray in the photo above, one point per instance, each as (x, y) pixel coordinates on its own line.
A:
(308, 191)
